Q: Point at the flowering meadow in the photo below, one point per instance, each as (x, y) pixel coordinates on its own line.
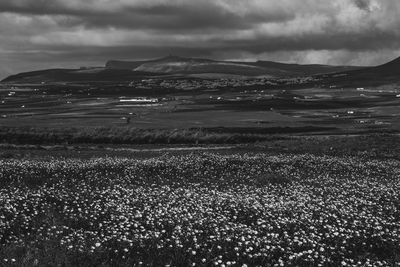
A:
(201, 209)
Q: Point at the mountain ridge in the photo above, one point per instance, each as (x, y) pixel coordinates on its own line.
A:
(184, 65)
(176, 66)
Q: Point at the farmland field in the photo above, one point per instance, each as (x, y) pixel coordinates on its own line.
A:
(298, 207)
(229, 177)
(329, 110)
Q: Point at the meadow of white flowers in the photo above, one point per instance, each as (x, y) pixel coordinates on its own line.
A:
(201, 210)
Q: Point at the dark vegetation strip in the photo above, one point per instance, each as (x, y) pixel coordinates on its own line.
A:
(368, 146)
(126, 135)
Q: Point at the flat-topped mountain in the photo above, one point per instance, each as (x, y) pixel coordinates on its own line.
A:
(175, 67)
(182, 65)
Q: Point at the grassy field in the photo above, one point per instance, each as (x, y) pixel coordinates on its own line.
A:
(271, 204)
(234, 177)
(341, 110)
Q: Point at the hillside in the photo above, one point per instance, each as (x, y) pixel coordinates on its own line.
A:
(76, 75)
(181, 65)
(382, 74)
(120, 71)
(308, 69)
(388, 69)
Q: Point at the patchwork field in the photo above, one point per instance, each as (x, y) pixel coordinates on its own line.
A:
(349, 110)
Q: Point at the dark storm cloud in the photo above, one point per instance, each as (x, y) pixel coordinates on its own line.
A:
(33, 32)
(102, 54)
(158, 16)
(330, 41)
(362, 4)
(177, 18)
(38, 7)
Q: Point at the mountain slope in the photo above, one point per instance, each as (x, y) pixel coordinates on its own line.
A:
(177, 67)
(385, 73)
(391, 68)
(308, 69)
(76, 75)
(123, 65)
(181, 65)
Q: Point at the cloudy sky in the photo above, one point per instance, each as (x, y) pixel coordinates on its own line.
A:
(36, 34)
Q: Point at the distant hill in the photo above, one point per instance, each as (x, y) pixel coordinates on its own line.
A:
(385, 73)
(182, 65)
(389, 69)
(174, 66)
(76, 75)
(309, 69)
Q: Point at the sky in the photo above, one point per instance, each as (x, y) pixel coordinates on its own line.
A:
(40, 34)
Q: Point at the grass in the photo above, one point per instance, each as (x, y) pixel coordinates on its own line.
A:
(127, 135)
(292, 201)
(200, 210)
(379, 146)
